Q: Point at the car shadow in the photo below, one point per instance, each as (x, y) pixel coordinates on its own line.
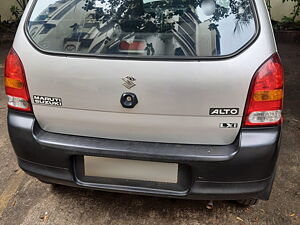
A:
(132, 205)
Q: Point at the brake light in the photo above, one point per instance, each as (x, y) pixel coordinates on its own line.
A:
(265, 98)
(15, 83)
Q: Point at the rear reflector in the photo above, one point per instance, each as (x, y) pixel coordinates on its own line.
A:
(264, 103)
(17, 103)
(15, 83)
(265, 116)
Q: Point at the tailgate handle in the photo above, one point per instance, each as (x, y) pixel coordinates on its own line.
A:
(128, 100)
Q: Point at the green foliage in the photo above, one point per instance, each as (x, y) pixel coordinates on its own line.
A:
(17, 11)
(157, 16)
(287, 23)
(296, 9)
(269, 6)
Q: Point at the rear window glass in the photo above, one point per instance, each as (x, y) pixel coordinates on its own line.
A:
(142, 28)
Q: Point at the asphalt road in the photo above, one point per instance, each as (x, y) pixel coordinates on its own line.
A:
(24, 200)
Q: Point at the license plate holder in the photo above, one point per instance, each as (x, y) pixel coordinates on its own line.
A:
(127, 169)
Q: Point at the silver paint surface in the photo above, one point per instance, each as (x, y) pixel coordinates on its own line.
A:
(174, 96)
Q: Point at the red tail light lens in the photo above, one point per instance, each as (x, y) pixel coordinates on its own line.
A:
(15, 83)
(264, 104)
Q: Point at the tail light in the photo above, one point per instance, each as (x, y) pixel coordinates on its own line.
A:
(265, 98)
(15, 83)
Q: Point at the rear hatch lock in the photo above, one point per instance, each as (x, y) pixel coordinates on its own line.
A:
(129, 100)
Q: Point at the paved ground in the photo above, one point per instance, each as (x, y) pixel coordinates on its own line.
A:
(26, 201)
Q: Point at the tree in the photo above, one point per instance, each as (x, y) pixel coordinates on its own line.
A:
(16, 11)
(157, 16)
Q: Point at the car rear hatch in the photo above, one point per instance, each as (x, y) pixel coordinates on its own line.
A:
(190, 88)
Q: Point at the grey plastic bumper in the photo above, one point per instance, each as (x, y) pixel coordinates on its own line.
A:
(244, 169)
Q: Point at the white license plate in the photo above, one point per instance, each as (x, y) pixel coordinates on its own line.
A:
(130, 169)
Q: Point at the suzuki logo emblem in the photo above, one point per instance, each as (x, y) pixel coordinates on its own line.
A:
(129, 82)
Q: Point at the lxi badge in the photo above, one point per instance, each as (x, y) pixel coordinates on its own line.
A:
(228, 125)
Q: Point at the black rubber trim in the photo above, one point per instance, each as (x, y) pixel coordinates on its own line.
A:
(135, 149)
(259, 189)
(247, 45)
(252, 156)
(182, 185)
(244, 168)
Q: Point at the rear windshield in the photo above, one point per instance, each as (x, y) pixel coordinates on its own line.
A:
(142, 28)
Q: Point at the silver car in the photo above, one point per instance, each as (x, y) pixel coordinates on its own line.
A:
(175, 98)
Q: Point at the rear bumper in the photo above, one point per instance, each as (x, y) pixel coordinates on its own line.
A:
(244, 169)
